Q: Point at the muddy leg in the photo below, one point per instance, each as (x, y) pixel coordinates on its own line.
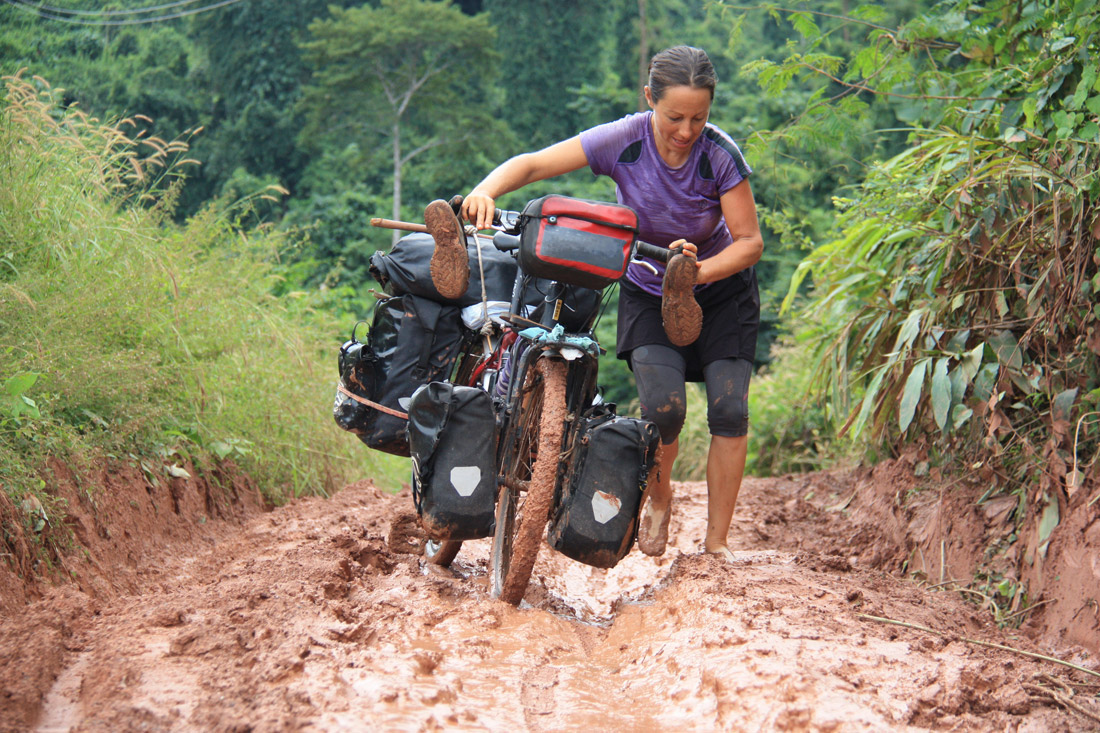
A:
(725, 469)
(657, 503)
(450, 265)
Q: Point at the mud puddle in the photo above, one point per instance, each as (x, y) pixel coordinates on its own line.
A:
(310, 619)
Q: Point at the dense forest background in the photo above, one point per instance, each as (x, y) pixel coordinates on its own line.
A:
(926, 175)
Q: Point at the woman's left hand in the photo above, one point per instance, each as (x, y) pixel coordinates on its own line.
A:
(686, 248)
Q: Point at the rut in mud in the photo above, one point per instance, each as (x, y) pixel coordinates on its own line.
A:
(318, 616)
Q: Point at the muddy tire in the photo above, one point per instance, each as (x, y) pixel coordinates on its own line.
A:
(441, 552)
(521, 516)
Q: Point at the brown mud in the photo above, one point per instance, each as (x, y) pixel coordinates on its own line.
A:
(316, 617)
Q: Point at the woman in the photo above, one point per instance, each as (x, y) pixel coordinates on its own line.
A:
(688, 182)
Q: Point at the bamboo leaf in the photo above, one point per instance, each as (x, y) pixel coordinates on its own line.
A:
(868, 401)
(941, 393)
(911, 396)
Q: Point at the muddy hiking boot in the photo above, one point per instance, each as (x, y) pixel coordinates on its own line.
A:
(450, 265)
(681, 314)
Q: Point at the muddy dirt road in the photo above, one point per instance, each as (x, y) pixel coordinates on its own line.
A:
(317, 617)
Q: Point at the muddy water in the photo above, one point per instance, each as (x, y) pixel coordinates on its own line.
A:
(310, 620)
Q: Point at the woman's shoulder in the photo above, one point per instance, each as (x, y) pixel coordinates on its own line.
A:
(630, 125)
(617, 141)
(722, 151)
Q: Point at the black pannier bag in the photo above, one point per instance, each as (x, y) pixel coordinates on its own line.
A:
(597, 519)
(452, 441)
(405, 269)
(412, 341)
(586, 243)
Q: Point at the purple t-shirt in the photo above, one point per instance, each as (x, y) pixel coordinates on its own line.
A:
(672, 203)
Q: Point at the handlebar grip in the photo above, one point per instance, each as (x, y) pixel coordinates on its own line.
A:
(661, 254)
(506, 242)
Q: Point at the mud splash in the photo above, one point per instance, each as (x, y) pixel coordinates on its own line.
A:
(312, 618)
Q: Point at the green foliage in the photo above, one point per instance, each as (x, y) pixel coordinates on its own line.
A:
(124, 334)
(389, 81)
(957, 297)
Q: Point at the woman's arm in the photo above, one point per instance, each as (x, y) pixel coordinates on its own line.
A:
(739, 209)
(517, 172)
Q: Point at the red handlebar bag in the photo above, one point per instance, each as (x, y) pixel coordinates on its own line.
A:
(578, 242)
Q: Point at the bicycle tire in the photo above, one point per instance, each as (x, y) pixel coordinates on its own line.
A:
(441, 552)
(521, 525)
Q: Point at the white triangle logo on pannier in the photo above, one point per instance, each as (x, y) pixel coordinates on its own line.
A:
(465, 479)
(605, 506)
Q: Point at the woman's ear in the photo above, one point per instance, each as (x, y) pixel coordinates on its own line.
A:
(648, 96)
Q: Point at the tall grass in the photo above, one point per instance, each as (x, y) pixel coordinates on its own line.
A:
(144, 340)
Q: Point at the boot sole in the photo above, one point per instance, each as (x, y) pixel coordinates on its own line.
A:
(450, 265)
(681, 314)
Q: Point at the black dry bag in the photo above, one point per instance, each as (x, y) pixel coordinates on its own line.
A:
(597, 519)
(412, 341)
(452, 440)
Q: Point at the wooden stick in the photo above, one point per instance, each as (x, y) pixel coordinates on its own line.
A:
(407, 226)
(918, 627)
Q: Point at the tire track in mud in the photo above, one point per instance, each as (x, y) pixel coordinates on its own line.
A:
(315, 617)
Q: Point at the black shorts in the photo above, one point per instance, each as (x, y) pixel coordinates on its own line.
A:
(731, 320)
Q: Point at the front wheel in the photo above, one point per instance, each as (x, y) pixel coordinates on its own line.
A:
(530, 471)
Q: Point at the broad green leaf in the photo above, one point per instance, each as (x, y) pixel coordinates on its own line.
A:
(959, 415)
(20, 383)
(911, 396)
(1063, 404)
(1006, 348)
(941, 393)
(971, 362)
(221, 449)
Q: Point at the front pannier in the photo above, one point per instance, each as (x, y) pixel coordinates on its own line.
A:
(411, 342)
(586, 243)
(597, 519)
(452, 440)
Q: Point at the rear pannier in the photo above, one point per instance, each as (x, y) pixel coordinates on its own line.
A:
(452, 440)
(597, 519)
(406, 269)
(412, 341)
(575, 241)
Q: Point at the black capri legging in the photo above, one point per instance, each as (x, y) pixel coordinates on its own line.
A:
(659, 371)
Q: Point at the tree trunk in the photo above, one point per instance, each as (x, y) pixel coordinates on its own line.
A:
(396, 179)
(643, 53)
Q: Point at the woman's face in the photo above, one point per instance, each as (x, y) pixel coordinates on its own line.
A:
(678, 118)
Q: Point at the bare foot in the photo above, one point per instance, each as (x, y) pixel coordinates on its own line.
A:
(653, 530)
(682, 316)
(450, 265)
(722, 553)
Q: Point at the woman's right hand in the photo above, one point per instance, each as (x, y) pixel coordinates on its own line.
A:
(478, 209)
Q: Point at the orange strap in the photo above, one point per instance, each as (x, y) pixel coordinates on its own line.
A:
(364, 401)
